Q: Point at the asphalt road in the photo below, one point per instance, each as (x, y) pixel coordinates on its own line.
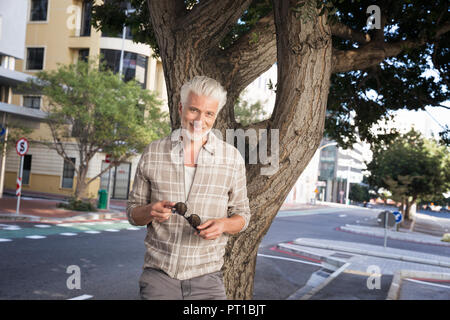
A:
(110, 258)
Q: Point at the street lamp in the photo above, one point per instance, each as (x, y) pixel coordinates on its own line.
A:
(124, 30)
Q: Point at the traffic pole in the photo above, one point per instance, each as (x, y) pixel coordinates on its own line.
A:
(385, 227)
(19, 185)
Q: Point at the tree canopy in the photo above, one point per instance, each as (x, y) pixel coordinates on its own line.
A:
(375, 70)
(411, 166)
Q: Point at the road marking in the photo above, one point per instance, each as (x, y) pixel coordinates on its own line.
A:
(12, 228)
(288, 259)
(42, 226)
(65, 225)
(342, 215)
(428, 283)
(36, 237)
(362, 273)
(133, 228)
(5, 240)
(112, 230)
(68, 234)
(83, 297)
(92, 232)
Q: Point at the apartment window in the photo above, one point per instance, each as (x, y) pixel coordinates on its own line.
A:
(38, 10)
(26, 169)
(86, 19)
(134, 65)
(35, 58)
(83, 55)
(68, 174)
(33, 102)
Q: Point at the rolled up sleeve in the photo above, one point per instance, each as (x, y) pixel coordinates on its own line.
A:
(238, 203)
(140, 194)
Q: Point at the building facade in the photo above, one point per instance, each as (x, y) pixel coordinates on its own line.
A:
(60, 32)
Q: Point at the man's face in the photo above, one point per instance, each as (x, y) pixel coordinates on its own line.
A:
(198, 115)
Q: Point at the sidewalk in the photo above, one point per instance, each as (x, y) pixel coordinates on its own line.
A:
(42, 207)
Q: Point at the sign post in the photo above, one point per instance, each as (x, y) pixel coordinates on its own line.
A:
(22, 146)
(108, 161)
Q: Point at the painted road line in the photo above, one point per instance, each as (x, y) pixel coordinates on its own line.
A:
(92, 232)
(428, 283)
(133, 228)
(291, 213)
(83, 297)
(12, 228)
(112, 230)
(342, 215)
(69, 234)
(42, 226)
(35, 237)
(5, 240)
(288, 259)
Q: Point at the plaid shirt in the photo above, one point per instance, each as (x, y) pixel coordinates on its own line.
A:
(218, 190)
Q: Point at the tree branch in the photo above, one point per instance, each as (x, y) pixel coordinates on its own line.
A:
(251, 55)
(345, 32)
(374, 53)
(210, 20)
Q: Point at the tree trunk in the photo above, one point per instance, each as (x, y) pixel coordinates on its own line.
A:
(304, 69)
(81, 185)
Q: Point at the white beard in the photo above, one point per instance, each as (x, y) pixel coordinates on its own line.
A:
(196, 136)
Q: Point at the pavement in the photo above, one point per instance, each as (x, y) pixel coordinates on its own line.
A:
(416, 275)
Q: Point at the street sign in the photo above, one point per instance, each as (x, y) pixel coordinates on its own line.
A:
(398, 216)
(2, 131)
(22, 146)
(390, 219)
(108, 158)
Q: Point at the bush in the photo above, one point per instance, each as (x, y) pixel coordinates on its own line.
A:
(78, 205)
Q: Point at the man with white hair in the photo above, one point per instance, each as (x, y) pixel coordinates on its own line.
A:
(193, 166)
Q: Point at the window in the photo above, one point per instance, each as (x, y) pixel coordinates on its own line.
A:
(83, 55)
(38, 10)
(35, 58)
(134, 65)
(86, 19)
(33, 102)
(26, 169)
(68, 174)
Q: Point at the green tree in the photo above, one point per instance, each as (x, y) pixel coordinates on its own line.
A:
(93, 110)
(359, 193)
(247, 113)
(411, 168)
(327, 58)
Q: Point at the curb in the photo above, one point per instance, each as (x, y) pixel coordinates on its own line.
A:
(86, 217)
(373, 253)
(395, 288)
(319, 279)
(394, 235)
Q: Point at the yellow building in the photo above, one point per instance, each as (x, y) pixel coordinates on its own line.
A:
(59, 32)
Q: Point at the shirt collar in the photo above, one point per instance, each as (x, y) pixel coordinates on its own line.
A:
(176, 139)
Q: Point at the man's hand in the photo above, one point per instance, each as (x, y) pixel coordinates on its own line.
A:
(161, 211)
(212, 229)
